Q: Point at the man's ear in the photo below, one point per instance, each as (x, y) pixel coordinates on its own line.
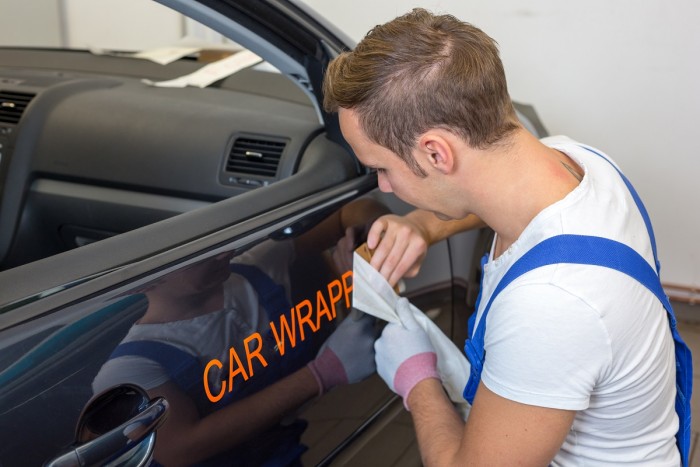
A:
(436, 149)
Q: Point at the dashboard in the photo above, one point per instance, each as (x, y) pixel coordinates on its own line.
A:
(90, 150)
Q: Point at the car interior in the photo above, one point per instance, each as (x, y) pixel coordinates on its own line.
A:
(99, 153)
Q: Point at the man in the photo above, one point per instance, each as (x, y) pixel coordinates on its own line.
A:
(574, 363)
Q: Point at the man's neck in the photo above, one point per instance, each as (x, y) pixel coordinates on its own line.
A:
(524, 179)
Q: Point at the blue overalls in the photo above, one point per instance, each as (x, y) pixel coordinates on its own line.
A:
(583, 249)
(280, 445)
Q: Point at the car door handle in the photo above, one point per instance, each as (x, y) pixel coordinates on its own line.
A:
(129, 444)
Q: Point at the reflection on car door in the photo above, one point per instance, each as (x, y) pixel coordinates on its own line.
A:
(211, 335)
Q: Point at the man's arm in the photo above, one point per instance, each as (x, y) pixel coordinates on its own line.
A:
(498, 431)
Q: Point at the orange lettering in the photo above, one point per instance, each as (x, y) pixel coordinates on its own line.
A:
(233, 356)
(254, 353)
(285, 328)
(218, 397)
(335, 297)
(347, 288)
(306, 318)
(321, 309)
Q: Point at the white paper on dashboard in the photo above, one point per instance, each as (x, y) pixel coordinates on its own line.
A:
(160, 55)
(212, 72)
(165, 55)
(372, 294)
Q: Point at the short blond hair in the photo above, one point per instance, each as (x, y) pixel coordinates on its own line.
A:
(422, 71)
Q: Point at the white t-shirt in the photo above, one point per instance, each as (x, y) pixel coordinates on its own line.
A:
(209, 336)
(586, 338)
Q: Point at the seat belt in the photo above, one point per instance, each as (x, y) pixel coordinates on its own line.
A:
(582, 249)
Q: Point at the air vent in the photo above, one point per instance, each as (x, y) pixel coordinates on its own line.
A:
(12, 105)
(255, 157)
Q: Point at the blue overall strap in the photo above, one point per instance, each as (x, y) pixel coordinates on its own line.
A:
(638, 202)
(580, 249)
(182, 367)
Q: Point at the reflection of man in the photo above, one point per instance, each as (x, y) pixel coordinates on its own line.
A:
(204, 312)
(574, 364)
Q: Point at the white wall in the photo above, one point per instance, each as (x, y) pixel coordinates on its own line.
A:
(621, 75)
(616, 74)
(16, 14)
(129, 25)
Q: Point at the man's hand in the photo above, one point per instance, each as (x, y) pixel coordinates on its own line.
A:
(405, 356)
(347, 356)
(400, 243)
(399, 247)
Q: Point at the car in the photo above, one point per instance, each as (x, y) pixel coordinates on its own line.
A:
(118, 195)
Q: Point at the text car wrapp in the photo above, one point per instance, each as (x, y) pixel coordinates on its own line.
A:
(372, 294)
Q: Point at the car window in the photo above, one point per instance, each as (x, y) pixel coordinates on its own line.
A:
(109, 125)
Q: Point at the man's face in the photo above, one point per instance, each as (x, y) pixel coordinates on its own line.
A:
(393, 174)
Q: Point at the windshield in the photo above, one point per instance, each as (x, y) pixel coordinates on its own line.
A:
(106, 25)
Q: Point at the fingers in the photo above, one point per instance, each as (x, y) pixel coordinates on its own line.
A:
(404, 263)
(376, 232)
(399, 248)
